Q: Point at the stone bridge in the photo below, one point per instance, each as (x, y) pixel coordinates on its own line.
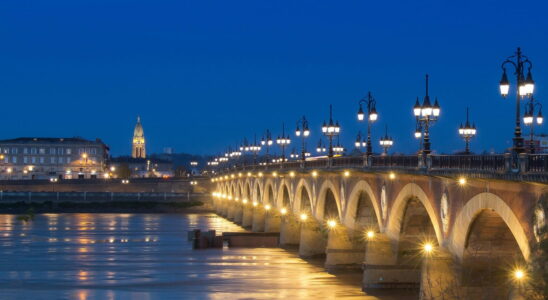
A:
(449, 234)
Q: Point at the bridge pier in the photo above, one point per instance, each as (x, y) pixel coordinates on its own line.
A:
(247, 216)
(230, 211)
(439, 279)
(272, 221)
(381, 268)
(290, 230)
(313, 240)
(224, 209)
(344, 249)
(238, 213)
(258, 220)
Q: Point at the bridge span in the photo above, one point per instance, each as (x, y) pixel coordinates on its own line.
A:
(452, 230)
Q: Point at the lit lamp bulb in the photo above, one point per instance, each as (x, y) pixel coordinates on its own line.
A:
(244, 201)
(314, 173)
(267, 207)
(292, 174)
(462, 181)
(331, 223)
(392, 175)
(283, 211)
(428, 248)
(346, 173)
(255, 203)
(519, 274)
(370, 234)
(303, 217)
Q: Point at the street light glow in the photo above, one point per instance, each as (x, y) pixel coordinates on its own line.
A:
(370, 234)
(303, 217)
(283, 211)
(331, 223)
(462, 181)
(428, 248)
(267, 207)
(519, 274)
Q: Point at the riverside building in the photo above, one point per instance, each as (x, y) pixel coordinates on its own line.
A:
(46, 158)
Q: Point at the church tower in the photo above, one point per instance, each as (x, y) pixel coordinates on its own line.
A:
(138, 146)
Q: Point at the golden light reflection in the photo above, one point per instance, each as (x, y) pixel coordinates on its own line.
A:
(83, 275)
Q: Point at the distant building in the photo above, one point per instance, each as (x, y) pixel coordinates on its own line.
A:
(141, 167)
(138, 149)
(44, 158)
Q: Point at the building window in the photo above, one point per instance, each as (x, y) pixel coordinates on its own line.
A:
(52, 151)
(52, 160)
(25, 159)
(6, 159)
(25, 150)
(60, 151)
(34, 159)
(69, 151)
(68, 160)
(42, 150)
(41, 160)
(93, 151)
(14, 159)
(6, 150)
(32, 150)
(13, 150)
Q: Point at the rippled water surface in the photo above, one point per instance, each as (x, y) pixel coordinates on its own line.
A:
(147, 256)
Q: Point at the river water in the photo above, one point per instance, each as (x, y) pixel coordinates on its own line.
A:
(148, 256)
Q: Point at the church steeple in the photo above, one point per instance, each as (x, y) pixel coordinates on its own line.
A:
(138, 149)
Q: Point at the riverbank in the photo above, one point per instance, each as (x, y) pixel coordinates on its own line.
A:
(103, 207)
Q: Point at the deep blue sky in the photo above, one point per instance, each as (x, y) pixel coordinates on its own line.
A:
(204, 74)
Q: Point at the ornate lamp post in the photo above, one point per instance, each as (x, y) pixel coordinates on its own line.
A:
(331, 130)
(526, 86)
(338, 148)
(425, 114)
(386, 141)
(321, 147)
(255, 148)
(371, 117)
(528, 119)
(267, 142)
(283, 141)
(304, 133)
(360, 143)
(467, 132)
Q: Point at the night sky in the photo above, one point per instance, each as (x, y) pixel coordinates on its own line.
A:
(205, 74)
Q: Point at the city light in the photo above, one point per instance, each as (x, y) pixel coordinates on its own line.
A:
(428, 248)
(331, 223)
(244, 201)
(462, 181)
(346, 173)
(519, 274)
(314, 173)
(267, 207)
(255, 203)
(370, 234)
(274, 174)
(303, 217)
(283, 211)
(392, 175)
(292, 174)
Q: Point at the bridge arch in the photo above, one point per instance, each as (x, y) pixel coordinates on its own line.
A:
(328, 199)
(285, 198)
(257, 191)
(395, 220)
(269, 196)
(303, 199)
(470, 211)
(361, 192)
(233, 189)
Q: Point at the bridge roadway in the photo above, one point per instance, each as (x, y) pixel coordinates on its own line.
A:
(480, 216)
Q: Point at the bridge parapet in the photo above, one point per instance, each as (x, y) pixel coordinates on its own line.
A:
(527, 167)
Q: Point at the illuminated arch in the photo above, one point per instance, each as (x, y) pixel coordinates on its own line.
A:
(258, 197)
(357, 189)
(269, 184)
(279, 199)
(303, 184)
(320, 201)
(470, 211)
(397, 210)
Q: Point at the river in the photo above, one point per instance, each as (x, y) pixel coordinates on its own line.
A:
(148, 256)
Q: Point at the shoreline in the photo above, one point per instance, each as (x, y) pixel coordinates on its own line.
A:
(22, 208)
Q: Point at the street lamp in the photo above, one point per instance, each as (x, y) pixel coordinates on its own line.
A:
(425, 114)
(386, 141)
(526, 86)
(283, 141)
(331, 130)
(267, 142)
(467, 132)
(321, 147)
(360, 143)
(528, 119)
(304, 133)
(371, 117)
(255, 148)
(338, 148)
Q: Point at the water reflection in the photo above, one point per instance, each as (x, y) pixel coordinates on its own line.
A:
(147, 256)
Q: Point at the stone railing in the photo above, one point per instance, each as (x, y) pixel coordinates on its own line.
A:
(527, 167)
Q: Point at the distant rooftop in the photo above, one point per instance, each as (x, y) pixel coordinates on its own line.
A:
(71, 140)
(129, 159)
